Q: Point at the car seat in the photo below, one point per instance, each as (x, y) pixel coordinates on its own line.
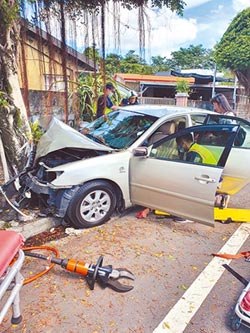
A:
(163, 131)
(181, 125)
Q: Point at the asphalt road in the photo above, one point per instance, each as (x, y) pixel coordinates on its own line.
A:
(166, 258)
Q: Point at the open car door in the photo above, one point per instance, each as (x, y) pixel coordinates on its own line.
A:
(167, 181)
(239, 156)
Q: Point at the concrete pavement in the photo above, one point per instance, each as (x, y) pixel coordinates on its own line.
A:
(33, 227)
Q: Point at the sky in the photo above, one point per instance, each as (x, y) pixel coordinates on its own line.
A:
(203, 22)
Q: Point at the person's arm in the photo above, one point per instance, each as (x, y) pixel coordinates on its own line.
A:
(110, 105)
(193, 157)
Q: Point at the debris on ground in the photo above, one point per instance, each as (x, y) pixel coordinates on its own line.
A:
(47, 236)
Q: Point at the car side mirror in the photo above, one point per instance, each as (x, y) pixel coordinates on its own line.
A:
(140, 151)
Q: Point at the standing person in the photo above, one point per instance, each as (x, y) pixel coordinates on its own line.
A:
(104, 103)
(221, 105)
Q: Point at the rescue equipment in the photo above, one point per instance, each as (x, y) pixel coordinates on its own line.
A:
(229, 187)
(104, 275)
(242, 308)
(11, 278)
(12, 258)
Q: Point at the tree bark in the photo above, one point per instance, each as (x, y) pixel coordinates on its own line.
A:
(244, 79)
(13, 117)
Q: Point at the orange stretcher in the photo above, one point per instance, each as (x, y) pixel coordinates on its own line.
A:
(11, 279)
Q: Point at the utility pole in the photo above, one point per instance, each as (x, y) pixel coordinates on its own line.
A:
(214, 80)
(235, 91)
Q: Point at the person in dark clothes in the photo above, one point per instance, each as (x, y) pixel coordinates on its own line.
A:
(104, 103)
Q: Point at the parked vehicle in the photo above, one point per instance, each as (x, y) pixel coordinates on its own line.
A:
(130, 156)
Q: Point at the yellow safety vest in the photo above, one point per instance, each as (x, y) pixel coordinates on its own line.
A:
(206, 155)
(106, 110)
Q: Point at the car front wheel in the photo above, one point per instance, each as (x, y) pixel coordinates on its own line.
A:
(92, 205)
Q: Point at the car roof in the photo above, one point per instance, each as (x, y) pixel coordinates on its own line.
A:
(163, 110)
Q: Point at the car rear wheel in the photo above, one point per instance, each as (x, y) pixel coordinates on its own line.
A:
(92, 205)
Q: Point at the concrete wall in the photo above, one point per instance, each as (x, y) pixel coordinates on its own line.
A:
(41, 102)
(38, 65)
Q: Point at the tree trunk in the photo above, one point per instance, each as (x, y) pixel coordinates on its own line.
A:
(244, 79)
(13, 117)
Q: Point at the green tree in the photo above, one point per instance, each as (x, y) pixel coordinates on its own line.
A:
(191, 57)
(233, 50)
(13, 120)
(133, 63)
(113, 63)
(159, 64)
(92, 53)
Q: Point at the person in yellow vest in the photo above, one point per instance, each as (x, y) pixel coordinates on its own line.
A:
(194, 152)
(198, 154)
(104, 103)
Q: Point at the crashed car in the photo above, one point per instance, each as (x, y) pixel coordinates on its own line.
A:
(131, 157)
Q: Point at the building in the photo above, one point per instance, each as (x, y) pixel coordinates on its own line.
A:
(45, 64)
(161, 88)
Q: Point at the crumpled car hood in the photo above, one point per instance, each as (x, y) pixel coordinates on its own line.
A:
(58, 135)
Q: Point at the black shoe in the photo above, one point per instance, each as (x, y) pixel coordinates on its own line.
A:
(44, 212)
(180, 220)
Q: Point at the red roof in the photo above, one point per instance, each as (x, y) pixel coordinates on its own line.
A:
(121, 77)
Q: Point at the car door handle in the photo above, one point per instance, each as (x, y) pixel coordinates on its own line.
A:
(205, 179)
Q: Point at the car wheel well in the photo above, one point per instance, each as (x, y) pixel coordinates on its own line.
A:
(117, 189)
(93, 203)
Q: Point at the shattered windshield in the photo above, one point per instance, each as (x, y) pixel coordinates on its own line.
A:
(119, 129)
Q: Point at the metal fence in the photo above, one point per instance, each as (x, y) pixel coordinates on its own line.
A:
(156, 100)
(171, 101)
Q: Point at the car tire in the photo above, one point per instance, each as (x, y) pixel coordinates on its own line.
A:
(92, 205)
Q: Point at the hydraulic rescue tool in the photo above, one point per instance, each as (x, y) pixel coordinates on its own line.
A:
(104, 275)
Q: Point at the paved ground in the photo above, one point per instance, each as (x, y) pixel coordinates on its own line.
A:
(166, 258)
(164, 268)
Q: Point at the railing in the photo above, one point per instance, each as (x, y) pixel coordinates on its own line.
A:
(242, 108)
(156, 100)
(171, 101)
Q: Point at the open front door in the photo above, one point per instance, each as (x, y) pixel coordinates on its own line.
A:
(169, 180)
(239, 158)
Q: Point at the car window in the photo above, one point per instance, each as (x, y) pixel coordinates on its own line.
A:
(119, 129)
(197, 146)
(243, 138)
(197, 119)
(166, 129)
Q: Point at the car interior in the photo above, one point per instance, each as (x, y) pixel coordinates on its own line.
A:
(166, 129)
(163, 131)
